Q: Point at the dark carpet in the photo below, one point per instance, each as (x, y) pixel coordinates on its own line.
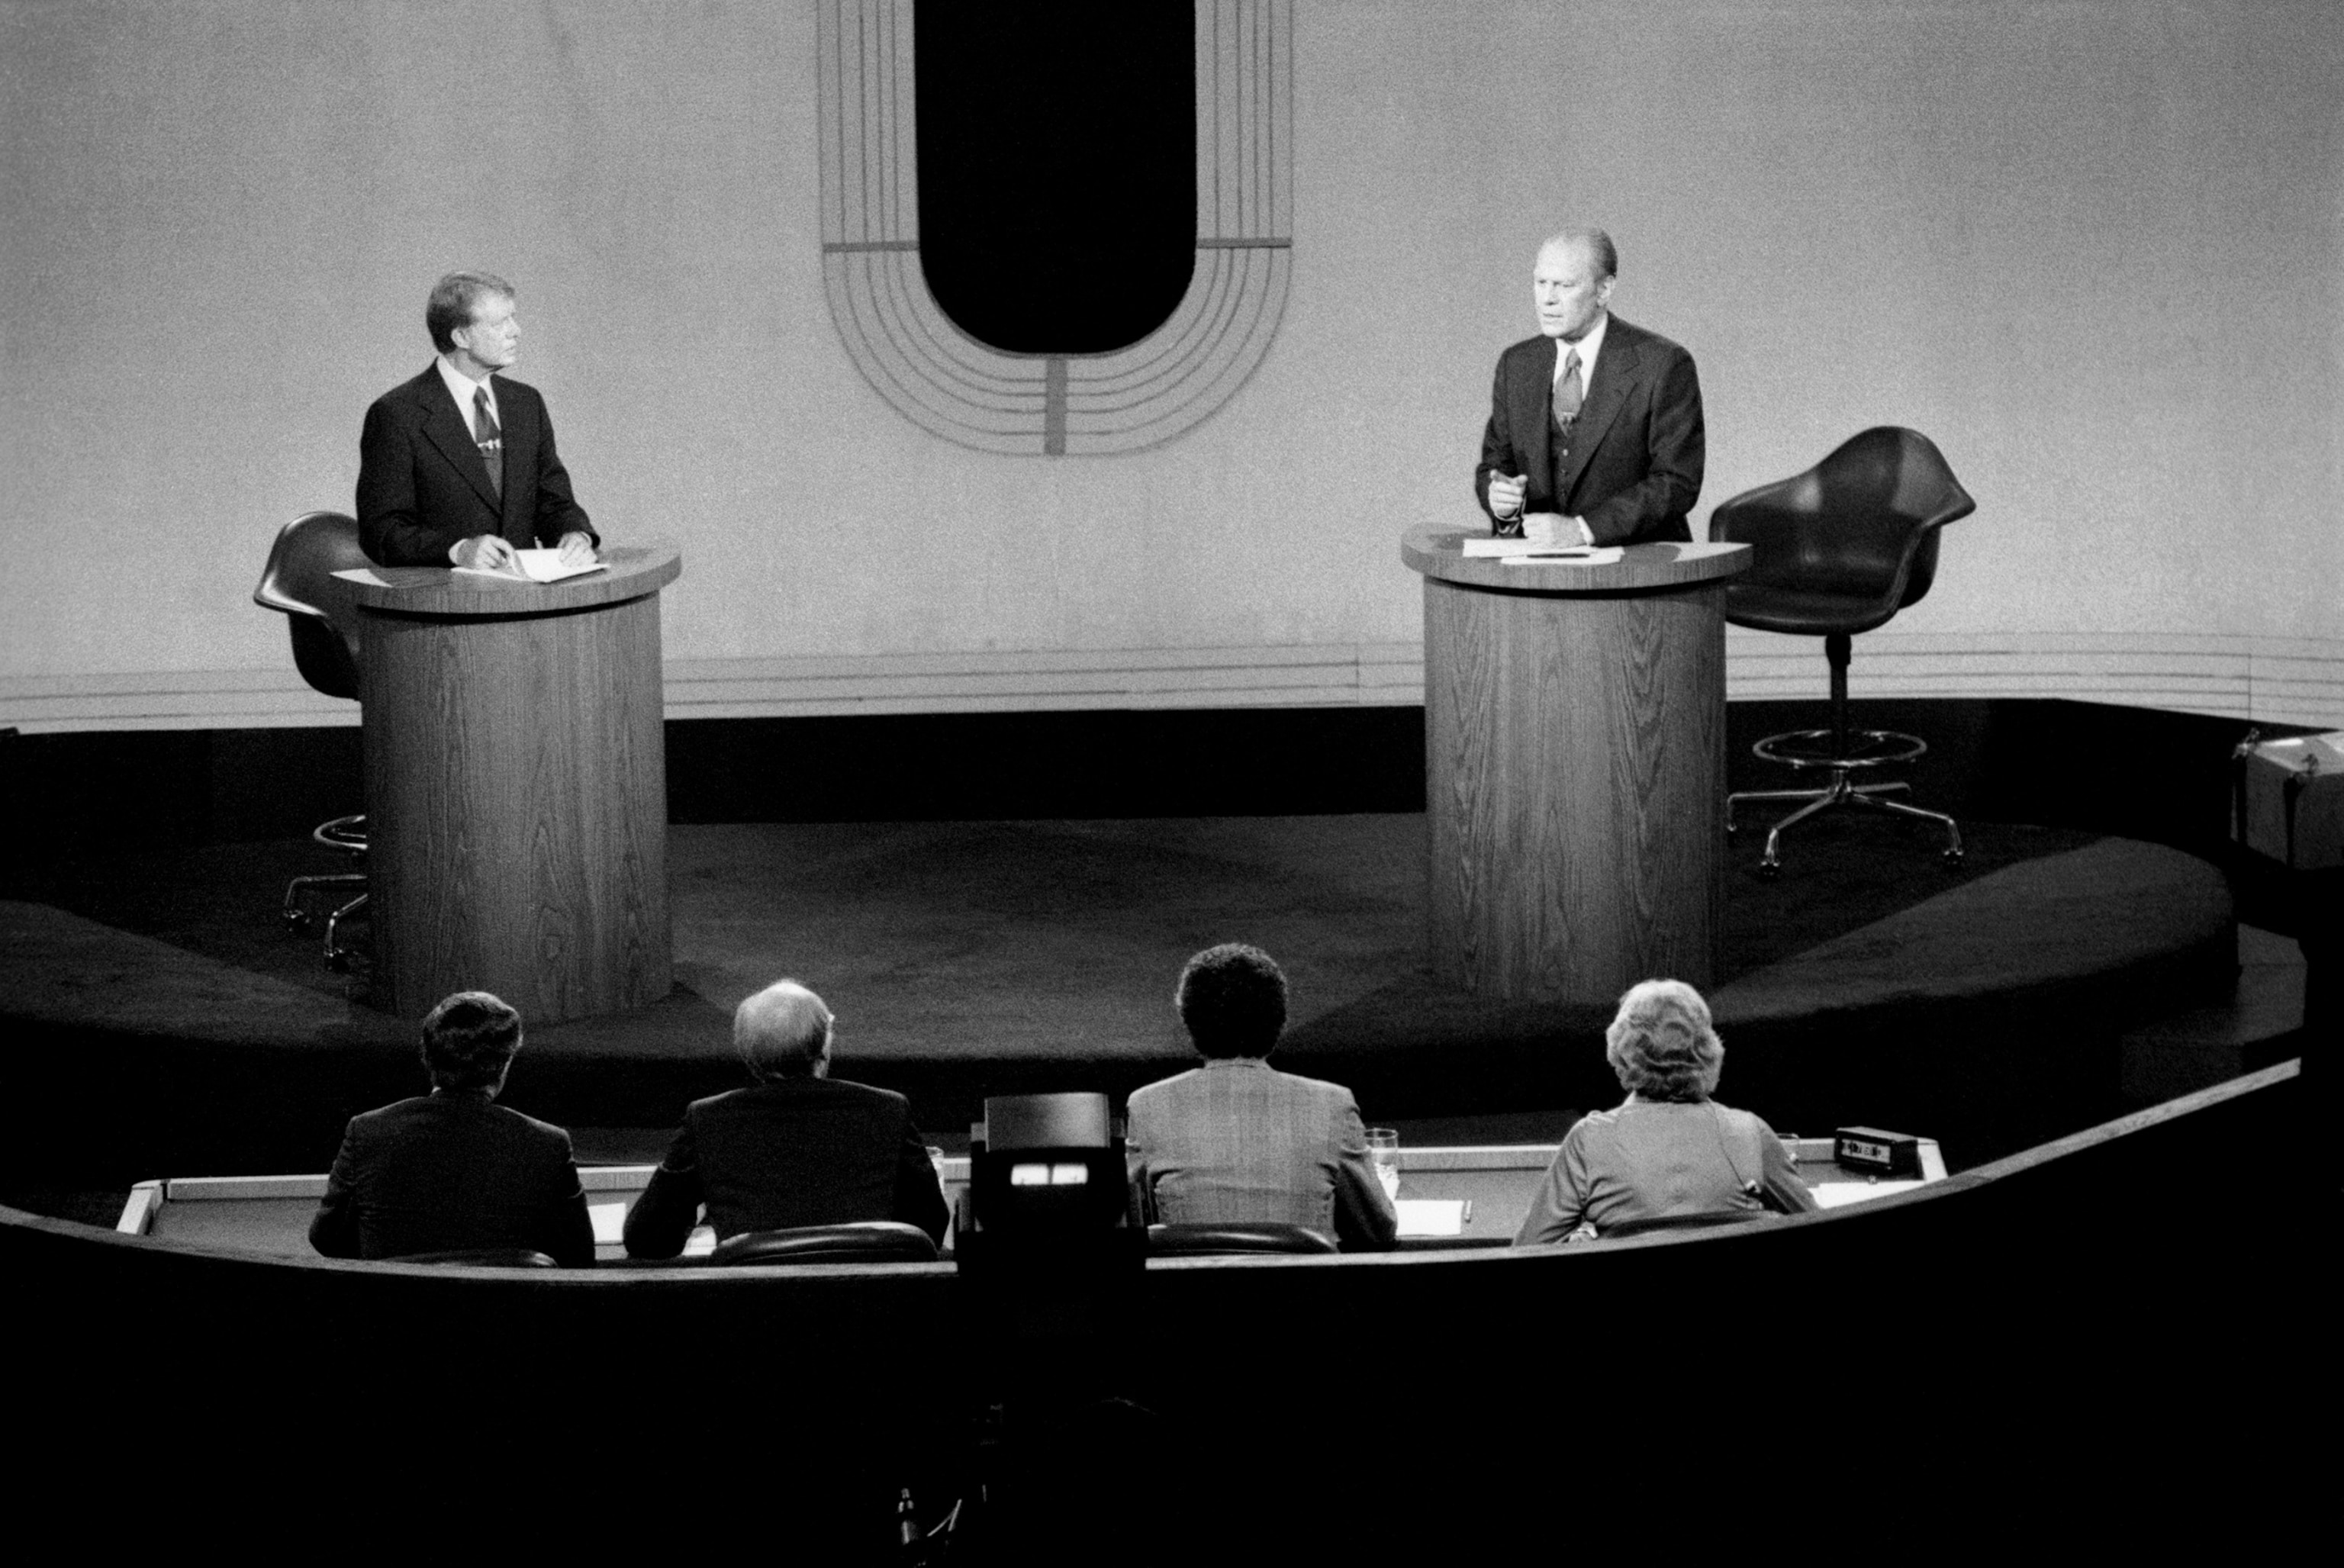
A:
(1869, 983)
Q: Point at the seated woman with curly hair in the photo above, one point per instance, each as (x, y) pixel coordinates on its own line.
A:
(1670, 1151)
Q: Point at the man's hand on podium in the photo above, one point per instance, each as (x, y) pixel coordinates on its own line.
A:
(577, 550)
(1551, 528)
(485, 552)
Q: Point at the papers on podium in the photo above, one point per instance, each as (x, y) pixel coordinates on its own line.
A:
(538, 566)
(1522, 553)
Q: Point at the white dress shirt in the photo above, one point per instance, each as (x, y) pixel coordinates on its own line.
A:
(1589, 347)
(461, 387)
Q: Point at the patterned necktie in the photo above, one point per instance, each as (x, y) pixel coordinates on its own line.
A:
(493, 439)
(1567, 392)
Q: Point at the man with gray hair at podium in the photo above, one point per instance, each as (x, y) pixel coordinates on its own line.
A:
(798, 1148)
(1595, 433)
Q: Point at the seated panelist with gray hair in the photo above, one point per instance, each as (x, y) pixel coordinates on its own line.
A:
(1668, 1150)
(797, 1148)
(450, 1171)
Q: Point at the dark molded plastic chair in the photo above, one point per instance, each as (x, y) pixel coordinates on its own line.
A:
(1705, 1219)
(485, 1258)
(863, 1241)
(1234, 1236)
(298, 583)
(1838, 551)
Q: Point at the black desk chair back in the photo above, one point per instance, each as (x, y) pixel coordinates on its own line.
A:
(298, 583)
(864, 1241)
(1234, 1236)
(1838, 551)
(1705, 1219)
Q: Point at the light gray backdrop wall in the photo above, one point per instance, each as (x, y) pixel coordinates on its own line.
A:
(2092, 248)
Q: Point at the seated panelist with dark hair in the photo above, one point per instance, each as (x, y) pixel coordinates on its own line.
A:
(1238, 1140)
(1668, 1150)
(799, 1147)
(451, 1171)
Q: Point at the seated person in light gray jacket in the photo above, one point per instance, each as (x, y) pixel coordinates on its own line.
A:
(1236, 1140)
(1669, 1149)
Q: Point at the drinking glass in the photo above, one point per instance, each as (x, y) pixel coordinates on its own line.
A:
(1383, 1149)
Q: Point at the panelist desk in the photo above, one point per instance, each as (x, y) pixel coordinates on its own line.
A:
(1574, 767)
(269, 1215)
(516, 785)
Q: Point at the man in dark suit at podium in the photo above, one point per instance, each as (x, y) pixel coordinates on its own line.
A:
(1595, 431)
(457, 467)
(451, 1171)
(799, 1147)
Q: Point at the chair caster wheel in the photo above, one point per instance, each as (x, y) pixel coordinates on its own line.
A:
(338, 961)
(1953, 857)
(1730, 830)
(1770, 871)
(296, 919)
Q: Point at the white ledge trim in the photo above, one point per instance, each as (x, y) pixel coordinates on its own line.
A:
(2275, 680)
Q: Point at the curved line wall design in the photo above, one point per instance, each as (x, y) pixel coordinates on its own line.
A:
(949, 384)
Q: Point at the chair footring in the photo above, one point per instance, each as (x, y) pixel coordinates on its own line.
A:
(1818, 749)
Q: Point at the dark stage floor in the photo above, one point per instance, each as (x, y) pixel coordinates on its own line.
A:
(1869, 984)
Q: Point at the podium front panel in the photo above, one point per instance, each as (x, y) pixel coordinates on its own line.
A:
(517, 806)
(1575, 772)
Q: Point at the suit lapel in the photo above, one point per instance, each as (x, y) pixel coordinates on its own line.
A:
(446, 426)
(1533, 399)
(1616, 370)
(520, 433)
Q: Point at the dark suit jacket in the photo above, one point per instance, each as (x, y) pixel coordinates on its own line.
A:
(450, 1170)
(422, 485)
(1236, 1140)
(789, 1152)
(1636, 449)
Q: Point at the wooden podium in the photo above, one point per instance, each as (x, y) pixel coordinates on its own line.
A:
(1574, 767)
(516, 786)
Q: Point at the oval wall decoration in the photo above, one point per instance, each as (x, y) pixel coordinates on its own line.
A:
(1057, 404)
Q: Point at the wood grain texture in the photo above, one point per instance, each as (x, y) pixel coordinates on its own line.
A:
(1575, 784)
(1641, 568)
(516, 790)
(628, 571)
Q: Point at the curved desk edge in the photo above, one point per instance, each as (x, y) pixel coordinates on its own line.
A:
(630, 572)
(1641, 568)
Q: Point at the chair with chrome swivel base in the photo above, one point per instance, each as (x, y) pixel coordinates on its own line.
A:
(298, 583)
(1838, 551)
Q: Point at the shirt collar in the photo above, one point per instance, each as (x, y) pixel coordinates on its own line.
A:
(1589, 347)
(461, 387)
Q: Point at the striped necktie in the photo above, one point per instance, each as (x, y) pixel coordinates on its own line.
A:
(1567, 392)
(491, 439)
